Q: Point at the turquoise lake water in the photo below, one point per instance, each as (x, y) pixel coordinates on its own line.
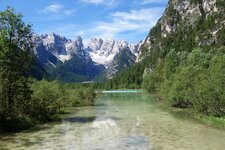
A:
(121, 120)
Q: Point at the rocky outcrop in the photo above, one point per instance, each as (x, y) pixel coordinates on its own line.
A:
(198, 23)
(104, 52)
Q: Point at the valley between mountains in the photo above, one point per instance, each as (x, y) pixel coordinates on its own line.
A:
(71, 61)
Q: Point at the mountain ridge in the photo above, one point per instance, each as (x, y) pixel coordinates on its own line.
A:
(54, 51)
(198, 23)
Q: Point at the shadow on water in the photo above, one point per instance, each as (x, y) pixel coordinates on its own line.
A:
(36, 128)
(100, 104)
(85, 119)
(181, 113)
(41, 127)
(80, 119)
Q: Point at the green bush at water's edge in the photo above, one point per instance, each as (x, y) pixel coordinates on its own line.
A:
(191, 80)
(47, 100)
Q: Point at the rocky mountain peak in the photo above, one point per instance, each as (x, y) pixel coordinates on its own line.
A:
(104, 51)
(53, 37)
(79, 39)
(59, 46)
(191, 23)
(78, 43)
(95, 44)
(99, 54)
(185, 13)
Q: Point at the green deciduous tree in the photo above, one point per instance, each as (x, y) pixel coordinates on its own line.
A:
(47, 99)
(15, 60)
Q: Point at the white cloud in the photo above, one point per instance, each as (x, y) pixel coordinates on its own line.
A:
(55, 12)
(139, 15)
(109, 3)
(94, 1)
(69, 12)
(53, 8)
(150, 1)
(135, 21)
(110, 30)
(122, 25)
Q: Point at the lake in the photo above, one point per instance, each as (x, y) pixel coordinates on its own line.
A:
(121, 120)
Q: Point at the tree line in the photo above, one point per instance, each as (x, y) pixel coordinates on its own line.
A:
(191, 80)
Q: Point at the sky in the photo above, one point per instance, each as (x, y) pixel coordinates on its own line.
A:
(128, 20)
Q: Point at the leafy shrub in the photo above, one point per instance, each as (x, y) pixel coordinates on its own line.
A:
(47, 99)
(195, 79)
(81, 97)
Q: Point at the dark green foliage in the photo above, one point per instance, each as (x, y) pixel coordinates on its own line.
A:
(221, 37)
(132, 77)
(47, 99)
(210, 88)
(76, 69)
(68, 77)
(80, 94)
(81, 97)
(184, 39)
(193, 79)
(151, 82)
(15, 60)
(37, 71)
(220, 3)
(196, 1)
(186, 36)
(101, 78)
(156, 31)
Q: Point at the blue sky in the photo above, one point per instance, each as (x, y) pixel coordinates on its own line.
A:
(128, 20)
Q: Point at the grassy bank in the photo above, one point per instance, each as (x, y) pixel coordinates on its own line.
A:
(192, 81)
(189, 113)
(218, 122)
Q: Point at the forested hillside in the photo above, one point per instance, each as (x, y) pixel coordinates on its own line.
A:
(184, 26)
(183, 57)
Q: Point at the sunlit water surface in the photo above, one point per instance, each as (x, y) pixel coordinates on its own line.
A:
(119, 121)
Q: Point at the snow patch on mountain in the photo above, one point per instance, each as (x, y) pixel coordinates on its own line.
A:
(104, 52)
(62, 48)
(64, 58)
(52, 50)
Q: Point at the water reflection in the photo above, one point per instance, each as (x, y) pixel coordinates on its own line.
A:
(80, 119)
(119, 121)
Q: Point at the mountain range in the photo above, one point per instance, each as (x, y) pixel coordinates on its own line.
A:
(70, 61)
(184, 26)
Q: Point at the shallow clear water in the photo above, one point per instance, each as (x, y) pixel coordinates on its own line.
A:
(120, 121)
(122, 91)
